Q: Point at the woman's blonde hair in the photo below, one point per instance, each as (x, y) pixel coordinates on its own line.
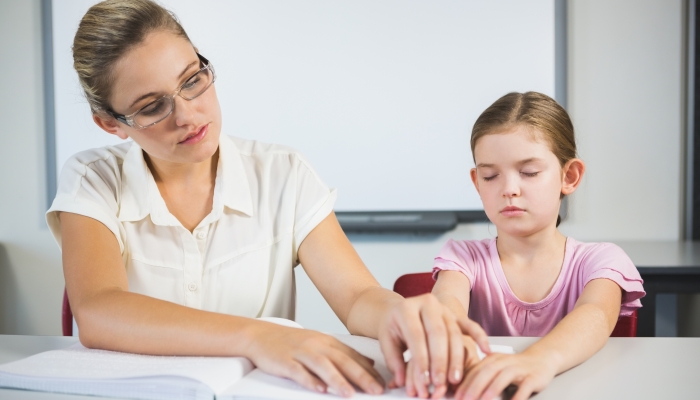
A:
(107, 31)
(532, 109)
(535, 110)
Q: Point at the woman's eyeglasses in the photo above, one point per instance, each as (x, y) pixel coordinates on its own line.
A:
(158, 110)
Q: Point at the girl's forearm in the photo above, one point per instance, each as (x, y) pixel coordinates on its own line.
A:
(576, 338)
(122, 321)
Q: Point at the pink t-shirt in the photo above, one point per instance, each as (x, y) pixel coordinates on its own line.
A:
(496, 308)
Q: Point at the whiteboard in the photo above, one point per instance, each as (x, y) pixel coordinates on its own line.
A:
(379, 95)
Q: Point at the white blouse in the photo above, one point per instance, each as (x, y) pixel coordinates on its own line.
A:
(239, 260)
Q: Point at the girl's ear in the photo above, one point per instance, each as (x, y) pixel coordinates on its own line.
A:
(572, 175)
(475, 179)
(110, 125)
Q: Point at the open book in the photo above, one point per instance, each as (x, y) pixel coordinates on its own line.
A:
(78, 370)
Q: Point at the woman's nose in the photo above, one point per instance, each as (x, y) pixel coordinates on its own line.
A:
(183, 112)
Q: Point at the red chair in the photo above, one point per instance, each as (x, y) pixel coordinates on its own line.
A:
(410, 285)
(67, 316)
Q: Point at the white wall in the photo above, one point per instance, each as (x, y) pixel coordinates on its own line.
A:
(625, 97)
(31, 280)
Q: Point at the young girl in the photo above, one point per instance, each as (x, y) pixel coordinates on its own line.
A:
(174, 242)
(531, 280)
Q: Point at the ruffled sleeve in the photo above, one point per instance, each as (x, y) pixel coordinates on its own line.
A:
(456, 256)
(608, 261)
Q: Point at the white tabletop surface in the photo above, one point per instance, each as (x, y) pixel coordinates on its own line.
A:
(662, 254)
(626, 368)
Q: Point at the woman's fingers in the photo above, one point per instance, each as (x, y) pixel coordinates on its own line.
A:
(393, 347)
(436, 332)
(457, 354)
(296, 372)
(475, 330)
(337, 370)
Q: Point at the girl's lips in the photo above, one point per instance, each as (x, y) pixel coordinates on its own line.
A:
(192, 139)
(512, 211)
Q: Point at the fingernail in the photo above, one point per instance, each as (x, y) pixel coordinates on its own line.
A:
(376, 389)
(458, 375)
(426, 377)
(347, 392)
(439, 378)
(320, 389)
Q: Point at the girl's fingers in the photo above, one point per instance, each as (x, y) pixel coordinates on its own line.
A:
(525, 389)
(475, 330)
(479, 378)
(504, 378)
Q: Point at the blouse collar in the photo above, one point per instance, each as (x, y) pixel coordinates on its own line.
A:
(140, 195)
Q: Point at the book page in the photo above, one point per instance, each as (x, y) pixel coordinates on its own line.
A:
(80, 363)
(259, 385)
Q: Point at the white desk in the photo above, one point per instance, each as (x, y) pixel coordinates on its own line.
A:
(626, 368)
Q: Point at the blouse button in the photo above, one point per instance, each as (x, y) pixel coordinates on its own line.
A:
(201, 235)
(192, 287)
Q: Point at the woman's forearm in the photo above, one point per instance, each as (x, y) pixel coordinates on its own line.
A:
(122, 321)
(369, 309)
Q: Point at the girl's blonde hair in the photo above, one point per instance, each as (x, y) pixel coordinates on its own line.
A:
(532, 109)
(107, 31)
(535, 110)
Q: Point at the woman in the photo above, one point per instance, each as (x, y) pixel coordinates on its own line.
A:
(173, 243)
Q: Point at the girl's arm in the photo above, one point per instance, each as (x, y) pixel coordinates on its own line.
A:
(421, 324)
(578, 336)
(112, 318)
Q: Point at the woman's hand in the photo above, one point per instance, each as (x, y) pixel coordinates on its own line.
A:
(314, 360)
(434, 336)
(487, 379)
(471, 358)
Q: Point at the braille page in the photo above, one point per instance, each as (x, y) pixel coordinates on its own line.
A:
(259, 385)
(87, 371)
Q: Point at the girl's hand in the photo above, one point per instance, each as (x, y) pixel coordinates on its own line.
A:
(490, 377)
(471, 358)
(314, 360)
(434, 336)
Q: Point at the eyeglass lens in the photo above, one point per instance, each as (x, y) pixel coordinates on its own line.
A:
(161, 108)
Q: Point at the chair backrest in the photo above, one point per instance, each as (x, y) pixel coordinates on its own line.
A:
(410, 285)
(66, 316)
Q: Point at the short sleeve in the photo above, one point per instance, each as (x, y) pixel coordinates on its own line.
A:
(456, 256)
(314, 201)
(608, 261)
(88, 186)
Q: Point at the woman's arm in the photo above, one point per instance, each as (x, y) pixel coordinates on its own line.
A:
(578, 336)
(421, 324)
(110, 317)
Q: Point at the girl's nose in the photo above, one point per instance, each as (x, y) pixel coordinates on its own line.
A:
(511, 187)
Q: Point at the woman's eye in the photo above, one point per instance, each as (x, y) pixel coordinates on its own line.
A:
(191, 83)
(153, 108)
(530, 174)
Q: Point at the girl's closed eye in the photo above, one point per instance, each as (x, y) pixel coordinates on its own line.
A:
(491, 177)
(530, 174)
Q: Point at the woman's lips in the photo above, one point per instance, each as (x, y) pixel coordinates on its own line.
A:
(196, 137)
(512, 211)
